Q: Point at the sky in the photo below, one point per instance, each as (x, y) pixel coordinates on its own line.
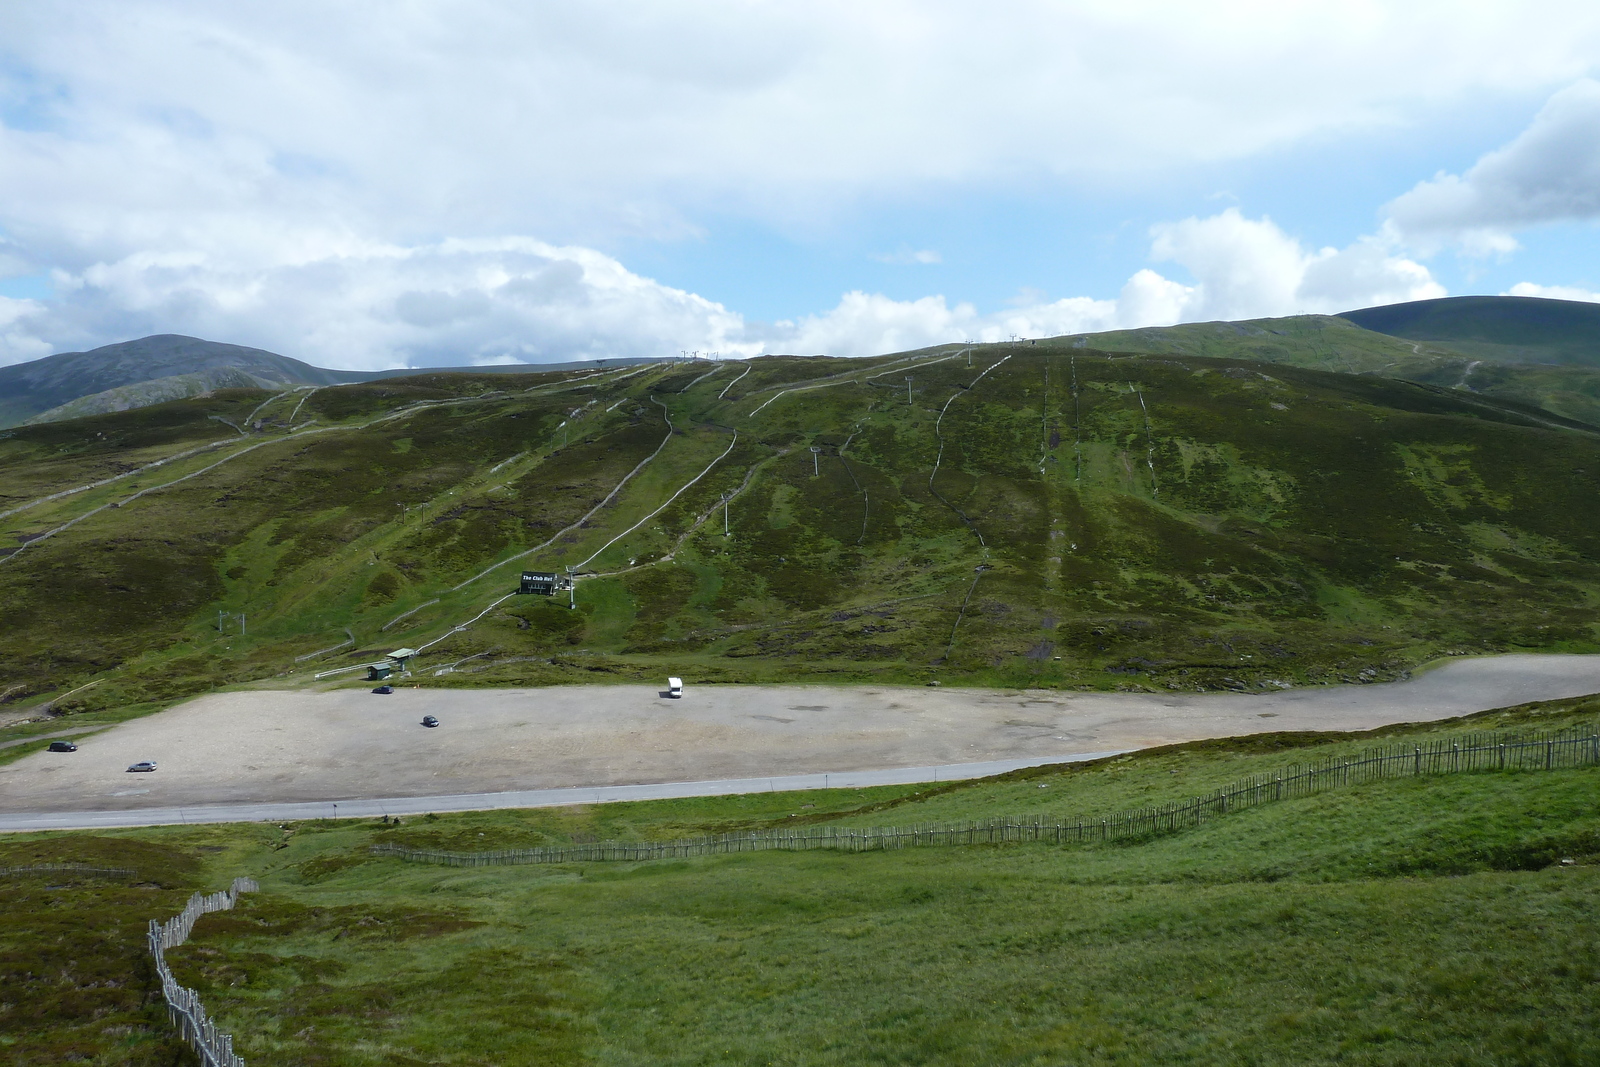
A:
(425, 183)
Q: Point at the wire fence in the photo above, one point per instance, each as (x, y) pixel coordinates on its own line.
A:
(1569, 748)
(183, 1004)
(67, 868)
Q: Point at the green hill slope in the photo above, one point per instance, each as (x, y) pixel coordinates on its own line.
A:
(1328, 342)
(1512, 329)
(1034, 515)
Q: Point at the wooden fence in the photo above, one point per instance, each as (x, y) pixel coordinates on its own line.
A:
(67, 868)
(183, 1004)
(1574, 747)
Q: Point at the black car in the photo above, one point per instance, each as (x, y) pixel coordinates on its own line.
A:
(384, 689)
(63, 746)
(429, 721)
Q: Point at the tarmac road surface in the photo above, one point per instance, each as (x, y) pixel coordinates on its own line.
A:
(522, 798)
(252, 751)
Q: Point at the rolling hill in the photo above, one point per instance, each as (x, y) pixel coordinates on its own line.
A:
(1040, 514)
(163, 367)
(166, 366)
(1337, 343)
(1542, 352)
(1508, 329)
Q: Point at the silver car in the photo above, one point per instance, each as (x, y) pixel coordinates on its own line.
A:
(144, 765)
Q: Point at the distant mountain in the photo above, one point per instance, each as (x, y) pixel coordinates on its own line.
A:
(169, 366)
(186, 365)
(1509, 329)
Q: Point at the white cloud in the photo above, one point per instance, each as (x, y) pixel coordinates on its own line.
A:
(585, 119)
(1242, 268)
(375, 306)
(333, 301)
(1250, 268)
(1549, 173)
(300, 176)
(1553, 292)
(906, 258)
(18, 343)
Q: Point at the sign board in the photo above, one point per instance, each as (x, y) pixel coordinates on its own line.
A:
(541, 583)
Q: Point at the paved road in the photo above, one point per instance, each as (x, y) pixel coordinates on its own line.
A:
(254, 751)
(46, 737)
(525, 798)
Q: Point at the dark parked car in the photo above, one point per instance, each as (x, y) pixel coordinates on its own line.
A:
(429, 720)
(144, 765)
(63, 746)
(384, 689)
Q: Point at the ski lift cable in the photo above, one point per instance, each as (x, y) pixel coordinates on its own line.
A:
(667, 415)
(669, 500)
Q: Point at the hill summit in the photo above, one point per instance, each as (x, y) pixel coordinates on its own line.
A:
(149, 370)
(1511, 329)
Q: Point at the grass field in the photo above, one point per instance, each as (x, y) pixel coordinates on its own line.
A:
(1418, 921)
(1036, 515)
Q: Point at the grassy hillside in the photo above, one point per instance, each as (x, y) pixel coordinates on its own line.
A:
(1327, 342)
(1516, 329)
(1034, 515)
(1423, 920)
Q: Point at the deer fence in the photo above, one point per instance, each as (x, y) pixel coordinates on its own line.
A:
(67, 868)
(183, 1004)
(1569, 748)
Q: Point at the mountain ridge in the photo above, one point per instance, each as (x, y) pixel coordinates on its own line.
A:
(1512, 347)
(125, 375)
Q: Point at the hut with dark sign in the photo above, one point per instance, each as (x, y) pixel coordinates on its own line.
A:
(539, 583)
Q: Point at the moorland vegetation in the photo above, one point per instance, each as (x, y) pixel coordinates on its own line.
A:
(1033, 514)
(1447, 919)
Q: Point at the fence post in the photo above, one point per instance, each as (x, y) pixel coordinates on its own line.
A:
(183, 1005)
(1301, 780)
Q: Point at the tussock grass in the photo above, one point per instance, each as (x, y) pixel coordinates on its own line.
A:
(1424, 920)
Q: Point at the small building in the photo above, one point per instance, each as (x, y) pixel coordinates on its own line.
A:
(400, 659)
(540, 583)
(377, 672)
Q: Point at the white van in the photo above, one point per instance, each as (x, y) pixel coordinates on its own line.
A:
(674, 687)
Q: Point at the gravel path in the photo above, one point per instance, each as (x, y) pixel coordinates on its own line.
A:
(267, 746)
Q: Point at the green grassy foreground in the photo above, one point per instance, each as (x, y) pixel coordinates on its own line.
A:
(1418, 921)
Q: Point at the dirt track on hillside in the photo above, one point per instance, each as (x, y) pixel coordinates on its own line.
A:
(297, 745)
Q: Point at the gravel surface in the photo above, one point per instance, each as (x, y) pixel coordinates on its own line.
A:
(267, 746)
